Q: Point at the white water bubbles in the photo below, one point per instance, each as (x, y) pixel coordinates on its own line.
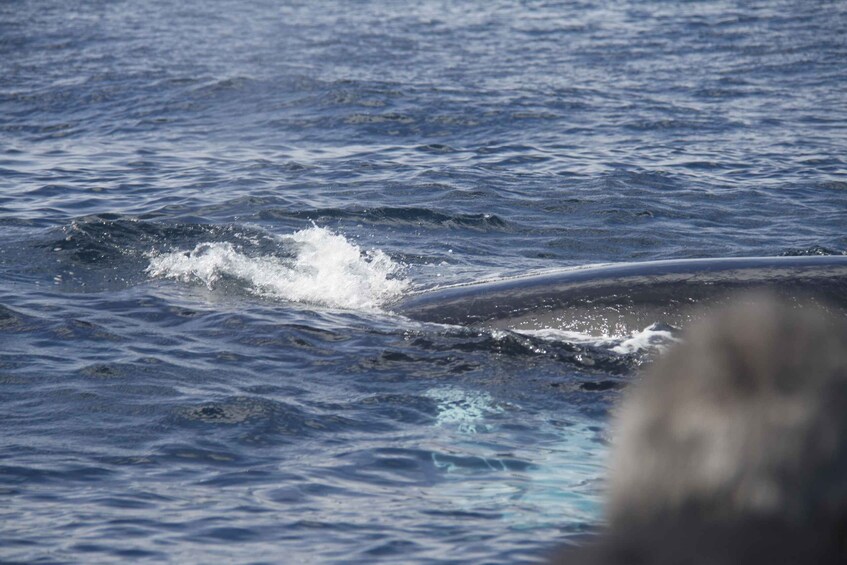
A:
(654, 337)
(318, 267)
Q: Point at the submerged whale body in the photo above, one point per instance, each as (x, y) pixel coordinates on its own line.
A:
(620, 298)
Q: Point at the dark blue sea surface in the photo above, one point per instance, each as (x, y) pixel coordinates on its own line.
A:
(207, 210)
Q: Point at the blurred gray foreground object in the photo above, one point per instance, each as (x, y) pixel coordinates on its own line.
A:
(733, 446)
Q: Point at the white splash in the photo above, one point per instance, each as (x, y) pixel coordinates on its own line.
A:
(654, 336)
(326, 270)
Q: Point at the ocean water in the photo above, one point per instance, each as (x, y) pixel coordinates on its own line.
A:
(208, 209)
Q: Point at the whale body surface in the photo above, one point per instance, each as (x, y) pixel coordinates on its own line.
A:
(619, 298)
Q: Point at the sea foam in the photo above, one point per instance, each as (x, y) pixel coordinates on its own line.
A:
(322, 268)
(655, 336)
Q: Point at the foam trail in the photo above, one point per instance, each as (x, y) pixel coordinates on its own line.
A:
(655, 336)
(326, 269)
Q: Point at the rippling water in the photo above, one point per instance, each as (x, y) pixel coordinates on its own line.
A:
(207, 210)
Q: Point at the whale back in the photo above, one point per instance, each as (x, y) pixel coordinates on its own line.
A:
(618, 298)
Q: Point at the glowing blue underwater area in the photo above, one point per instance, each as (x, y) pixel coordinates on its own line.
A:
(208, 210)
